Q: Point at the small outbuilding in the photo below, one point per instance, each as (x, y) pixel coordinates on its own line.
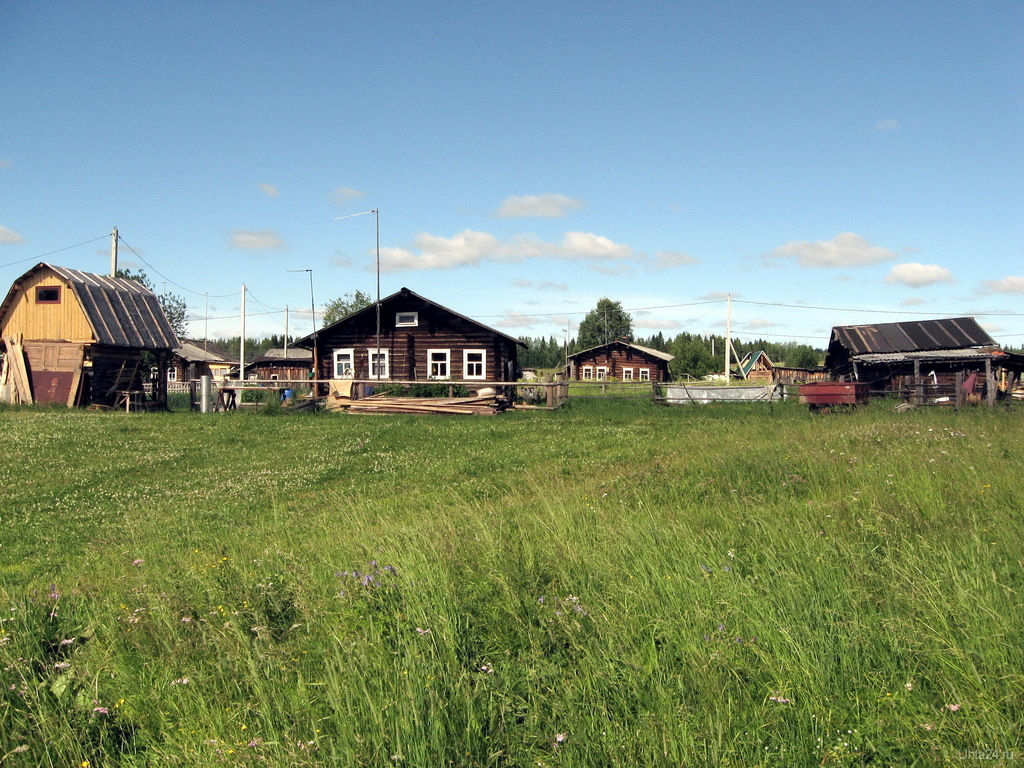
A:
(292, 364)
(196, 358)
(80, 338)
(407, 337)
(621, 360)
(912, 356)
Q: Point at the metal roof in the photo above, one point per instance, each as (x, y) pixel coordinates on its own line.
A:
(198, 351)
(294, 354)
(914, 336)
(646, 350)
(122, 313)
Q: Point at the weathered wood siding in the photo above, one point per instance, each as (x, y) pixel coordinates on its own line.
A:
(64, 321)
(408, 346)
(617, 359)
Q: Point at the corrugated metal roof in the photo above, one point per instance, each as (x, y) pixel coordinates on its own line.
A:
(914, 336)
(295, 354)
(122, 313)
(202, 352)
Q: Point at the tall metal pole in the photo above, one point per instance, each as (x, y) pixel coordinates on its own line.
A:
(285, 331)
(377, 215)
(113, 253)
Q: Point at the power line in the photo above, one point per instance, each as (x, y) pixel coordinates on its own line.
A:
(875, 311)
(165, 277)
(59, 250)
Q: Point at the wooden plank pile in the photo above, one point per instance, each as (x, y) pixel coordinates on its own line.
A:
(15, 376)
(473, 406)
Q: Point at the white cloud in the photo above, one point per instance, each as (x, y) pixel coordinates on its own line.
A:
(717, 296)
(919, 275)
(1009, 284)
(10, 237)
(343, 194)
(657, 324)
(537, 206)
(913, 301)
(886, 125)
(669, 259)
(540, 286)
(471, 248)
(844, 250)
(992, 327)
(269, 189)
(257, 240)
(760, 322)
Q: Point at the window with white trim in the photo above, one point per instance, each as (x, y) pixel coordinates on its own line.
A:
(439, 363)
(172, 374)
(344, 363)
(602, 372)
(379, 368)
(474, 364)
(588, 371)
(407, 319)
(627, 374)
(645, 374)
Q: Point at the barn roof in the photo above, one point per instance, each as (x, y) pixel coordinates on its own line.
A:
(914, 336)
(646, 350)
(405, 292)
(199, 351)
(122, 313)
(750, 360)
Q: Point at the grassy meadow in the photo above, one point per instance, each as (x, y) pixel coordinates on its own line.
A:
(611, 584)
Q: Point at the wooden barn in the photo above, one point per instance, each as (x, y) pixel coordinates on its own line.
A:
(80, 338)
(619, 360)
(420, 340)
(292, 364)
(196, 358)
(913, 356)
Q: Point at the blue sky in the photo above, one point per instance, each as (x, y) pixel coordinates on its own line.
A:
(528, 158)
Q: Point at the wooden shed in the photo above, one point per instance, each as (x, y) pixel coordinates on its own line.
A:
(420, 340)
(907, 356)
(757, 366)
(278, 364)
(198, 357)
(80, 338)
(619, 360)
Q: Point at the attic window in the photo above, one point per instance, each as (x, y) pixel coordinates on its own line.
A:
(48, 294)
(407, 319)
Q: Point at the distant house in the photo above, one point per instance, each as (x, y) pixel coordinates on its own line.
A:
(80, 338)
(292, 364)
(895, 356)
(195, 358)
(419, 340)
(619, 360)
(757, 366)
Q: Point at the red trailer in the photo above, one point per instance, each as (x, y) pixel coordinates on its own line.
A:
(827, 394)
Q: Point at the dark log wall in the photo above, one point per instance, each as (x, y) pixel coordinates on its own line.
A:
(617, 359)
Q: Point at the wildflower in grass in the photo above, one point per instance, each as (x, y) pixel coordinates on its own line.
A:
(422, 631)
(952, 707)
(67, 641)
(181, 681)
(54, 594)
(487, 669)
(927, 726)
(137, 562)
(561, 737)
(780, 700)
(100, 711)
(909, 685)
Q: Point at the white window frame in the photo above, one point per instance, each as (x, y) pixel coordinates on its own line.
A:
(384, 371)
(444, 358)
(645, 374)
(627, 374)
(351, 372)
(468, 365)
(602, 373)
(588, 372)
(172, 374)
(411, 319)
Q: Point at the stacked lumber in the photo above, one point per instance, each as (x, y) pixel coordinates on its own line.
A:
(19, 387)
(475, 406)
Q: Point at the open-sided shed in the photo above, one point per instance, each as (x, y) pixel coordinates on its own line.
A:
(79, 338)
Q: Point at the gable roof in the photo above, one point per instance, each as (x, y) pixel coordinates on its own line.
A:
(307, 341)
(279, 354)
(121, 313)
(750, 359)
(646, 350)
(199, 351)
(914, 336)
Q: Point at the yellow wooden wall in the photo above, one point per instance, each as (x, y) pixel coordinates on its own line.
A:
(47, 322)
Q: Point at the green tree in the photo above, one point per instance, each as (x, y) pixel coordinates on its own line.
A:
(692, 357)
(343, 306)
(803, 356)
(174, 306)
(608, 321)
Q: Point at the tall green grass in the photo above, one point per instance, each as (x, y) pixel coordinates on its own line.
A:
(611, 584)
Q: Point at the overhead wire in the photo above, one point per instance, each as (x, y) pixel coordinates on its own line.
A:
(59, 250)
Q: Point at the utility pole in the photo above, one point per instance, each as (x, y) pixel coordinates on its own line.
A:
(241, 341)
(285, 331)
(728, 333)
(113, 253)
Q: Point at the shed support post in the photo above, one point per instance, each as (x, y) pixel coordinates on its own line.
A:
(918, 384)
(959, 390)
(990, 384)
